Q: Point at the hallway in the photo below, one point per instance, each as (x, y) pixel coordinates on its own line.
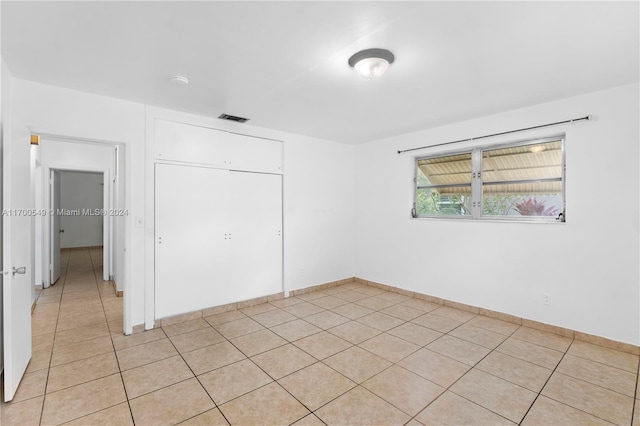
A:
(351, 354)
(71, 328)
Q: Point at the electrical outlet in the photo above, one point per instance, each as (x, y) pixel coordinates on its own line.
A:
(546, 299)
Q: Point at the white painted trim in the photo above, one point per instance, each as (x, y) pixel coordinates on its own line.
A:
(151, 114)
(106, 231)
(124, 268)
(149, 221)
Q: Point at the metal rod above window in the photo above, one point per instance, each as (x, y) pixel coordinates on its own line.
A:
(586, 117)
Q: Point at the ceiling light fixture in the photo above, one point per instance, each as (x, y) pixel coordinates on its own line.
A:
(179, 80)
(371, 63)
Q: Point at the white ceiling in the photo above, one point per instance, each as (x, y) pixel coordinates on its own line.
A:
(284, 64)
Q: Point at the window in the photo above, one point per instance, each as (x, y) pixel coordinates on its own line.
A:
(519, 181)
(444, 185)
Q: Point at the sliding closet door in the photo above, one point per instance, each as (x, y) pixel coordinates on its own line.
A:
(191, 239)
(256, 234)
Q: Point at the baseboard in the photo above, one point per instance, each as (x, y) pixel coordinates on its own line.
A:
(319, 287)
(119, 293)
(33, 306)
(138, 328)
(81, 248)
(163, 322)
(566, 332)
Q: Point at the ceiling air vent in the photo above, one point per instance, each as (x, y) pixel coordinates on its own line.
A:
(233, 118)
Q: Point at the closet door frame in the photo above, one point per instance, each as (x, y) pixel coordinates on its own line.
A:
(237, 150)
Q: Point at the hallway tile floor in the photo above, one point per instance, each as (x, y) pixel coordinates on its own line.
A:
(349, 355)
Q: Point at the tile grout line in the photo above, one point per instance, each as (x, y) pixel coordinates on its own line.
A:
(566, 352)
(55, 333)
(511, 335)
(66, 274)
(95, 281)
(360, 385)
(112, 344)
(467, 372)
(396, 363)
(546, 382)
(195, 376)
(352, 345)
(635, 395)
(248, 358)
(288, 342)
(603, 363)
(312, 412)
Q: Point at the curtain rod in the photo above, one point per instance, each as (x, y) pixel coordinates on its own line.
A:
(586, 117)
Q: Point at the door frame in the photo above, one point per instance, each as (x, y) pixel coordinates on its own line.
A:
(107, 219)
(54, 240)
(120, 224)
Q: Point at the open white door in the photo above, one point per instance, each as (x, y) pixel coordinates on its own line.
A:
(16, 260)
(54, 261)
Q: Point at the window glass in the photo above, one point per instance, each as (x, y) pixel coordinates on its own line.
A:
(443, 186)
(523, 180)
(518, 181)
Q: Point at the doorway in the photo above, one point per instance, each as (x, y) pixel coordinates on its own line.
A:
(80, 206)
(81, 166)
(49, 159)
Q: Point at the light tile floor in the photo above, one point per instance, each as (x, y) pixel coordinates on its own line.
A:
(350, 355)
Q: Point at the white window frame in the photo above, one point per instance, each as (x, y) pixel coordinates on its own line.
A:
(477, 206)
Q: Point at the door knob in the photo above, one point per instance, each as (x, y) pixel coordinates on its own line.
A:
(21, 270)
(61, 231)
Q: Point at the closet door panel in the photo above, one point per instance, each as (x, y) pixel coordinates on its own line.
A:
(249, 153)
(191, 239)
(256, 234)
(192, 144)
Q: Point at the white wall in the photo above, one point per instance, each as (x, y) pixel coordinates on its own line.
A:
(60, 154)
(318, 183)
(589, 265)
(76, 115)
(318, 200)
(319, 211)
(80, 191)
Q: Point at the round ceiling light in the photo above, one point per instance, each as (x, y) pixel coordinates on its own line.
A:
(371, 63)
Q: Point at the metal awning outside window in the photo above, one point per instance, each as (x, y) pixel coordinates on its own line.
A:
(534, 169)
